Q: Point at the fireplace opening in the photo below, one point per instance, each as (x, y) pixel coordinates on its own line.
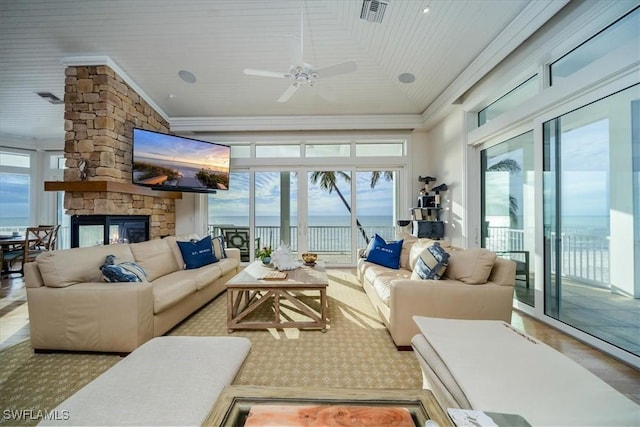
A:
(96, 230)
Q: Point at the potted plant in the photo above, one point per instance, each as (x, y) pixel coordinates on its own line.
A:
(264, 254)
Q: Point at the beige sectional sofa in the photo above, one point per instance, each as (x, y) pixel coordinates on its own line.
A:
(476, 285)
(72, 308)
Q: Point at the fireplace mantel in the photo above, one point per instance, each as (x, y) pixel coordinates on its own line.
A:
(108, 186)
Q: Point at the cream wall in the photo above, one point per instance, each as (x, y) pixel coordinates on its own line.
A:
(447, 154)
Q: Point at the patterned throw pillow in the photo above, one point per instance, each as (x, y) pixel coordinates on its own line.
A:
(432, 263)
(218, 247)
(385, 254)
(197, 253)
(123, 272)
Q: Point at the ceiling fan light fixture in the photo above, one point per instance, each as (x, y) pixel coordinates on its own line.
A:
(373, 10)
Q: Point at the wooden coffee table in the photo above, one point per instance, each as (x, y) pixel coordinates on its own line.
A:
(234, 403)
(248, 291)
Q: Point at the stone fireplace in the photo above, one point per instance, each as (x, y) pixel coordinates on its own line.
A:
(101, 110)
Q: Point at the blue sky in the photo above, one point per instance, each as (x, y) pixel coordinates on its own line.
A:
(235, 202)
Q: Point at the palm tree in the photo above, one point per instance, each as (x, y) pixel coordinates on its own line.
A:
(511, 166)
(328, 181)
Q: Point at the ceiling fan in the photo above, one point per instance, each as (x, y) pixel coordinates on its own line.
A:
(301, 73)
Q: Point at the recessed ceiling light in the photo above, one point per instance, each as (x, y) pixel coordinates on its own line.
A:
(426, 9)
(187, 76)
(406, 78)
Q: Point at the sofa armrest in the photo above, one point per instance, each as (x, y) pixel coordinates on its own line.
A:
(112, 317)
(503, 272)
(233, 253)
(32, 277)
(444, 298)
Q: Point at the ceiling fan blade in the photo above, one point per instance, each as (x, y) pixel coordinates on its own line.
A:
(264, 73)
(288, 93)
(334, 70)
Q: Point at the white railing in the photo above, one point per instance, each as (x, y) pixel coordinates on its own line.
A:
(327, 239)
(585, 257)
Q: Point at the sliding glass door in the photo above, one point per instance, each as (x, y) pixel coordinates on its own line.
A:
(276, 209)
(507, 204)
(591, 218)
(325, 212)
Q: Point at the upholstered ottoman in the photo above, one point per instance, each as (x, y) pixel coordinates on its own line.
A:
(491, 366)
(172, 380)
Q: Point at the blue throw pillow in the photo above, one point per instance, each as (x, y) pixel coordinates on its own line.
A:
(197, 253)
(385, 254)
(123, 272)
(432, 263)
(376, 240)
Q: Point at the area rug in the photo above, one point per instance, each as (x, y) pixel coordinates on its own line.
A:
(356, 351)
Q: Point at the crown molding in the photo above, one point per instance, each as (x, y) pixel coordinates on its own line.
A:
(295, 123)
(79, 61)
(521, 28)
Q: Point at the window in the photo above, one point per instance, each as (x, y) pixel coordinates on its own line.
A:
(512, 99)
(618, 45)
(327, 150)
(379, 149)
(277, 151)
(15, 183)
(508, 208)
(591, 218)
(277, 200)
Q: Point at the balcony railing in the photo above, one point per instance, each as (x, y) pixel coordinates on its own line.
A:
(321, 239)
(585, 257)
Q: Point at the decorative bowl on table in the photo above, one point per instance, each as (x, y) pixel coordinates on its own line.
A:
(309, 258)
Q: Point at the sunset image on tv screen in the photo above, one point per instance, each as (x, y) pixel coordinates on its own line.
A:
(175, 163)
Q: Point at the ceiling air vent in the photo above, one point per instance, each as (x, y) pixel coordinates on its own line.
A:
(50, 97)
(373, 10)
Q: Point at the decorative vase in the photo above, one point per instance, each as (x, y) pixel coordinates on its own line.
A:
(266, 260)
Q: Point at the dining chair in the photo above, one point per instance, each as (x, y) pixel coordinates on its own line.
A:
(36, 240)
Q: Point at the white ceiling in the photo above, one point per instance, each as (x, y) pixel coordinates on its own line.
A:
(446, 49)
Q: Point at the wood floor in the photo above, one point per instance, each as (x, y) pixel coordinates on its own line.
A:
(14, 327)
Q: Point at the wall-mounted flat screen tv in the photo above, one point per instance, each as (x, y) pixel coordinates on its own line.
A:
(174, 163)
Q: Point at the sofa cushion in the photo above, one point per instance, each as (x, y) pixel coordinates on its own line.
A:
(420, 245)
(370, 246)
(381, 277)
(385, 254)
(171, 240)
(197, 253)
(123, 272)
(78, 265)
(155, 257)
(407, 243)
(227, 265)
(471, 266)
(171, 289)
(204, 276)
(218, 247)
(431, 263)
